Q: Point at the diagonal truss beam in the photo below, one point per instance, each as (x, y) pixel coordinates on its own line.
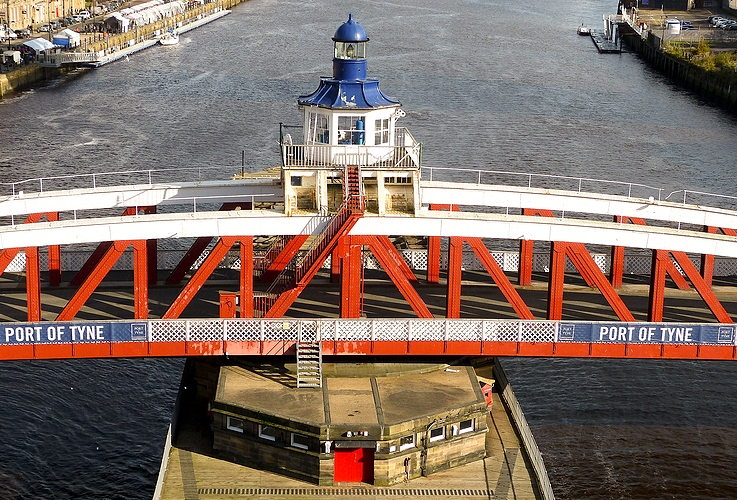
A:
(661, 268)
(194, 285)
(387, 257)
(94, 278)
(199, 246)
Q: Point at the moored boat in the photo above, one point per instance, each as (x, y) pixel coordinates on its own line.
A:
(169, 38)
(583, 30)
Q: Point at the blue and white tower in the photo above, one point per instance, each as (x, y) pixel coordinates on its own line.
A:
(348, 121)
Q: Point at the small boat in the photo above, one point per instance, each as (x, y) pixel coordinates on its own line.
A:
(583, 30)
(169, 38)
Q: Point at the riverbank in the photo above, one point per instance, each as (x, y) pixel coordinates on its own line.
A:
(31, 74)
(668, 53)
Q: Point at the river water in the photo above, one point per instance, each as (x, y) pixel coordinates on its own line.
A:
(486, 84)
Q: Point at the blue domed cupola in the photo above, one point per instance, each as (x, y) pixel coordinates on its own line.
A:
(349, 87)
(349, 62)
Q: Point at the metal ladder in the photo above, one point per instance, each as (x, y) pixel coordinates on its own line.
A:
(309, 364)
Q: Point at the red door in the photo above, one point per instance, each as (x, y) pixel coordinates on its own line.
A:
(354, 465)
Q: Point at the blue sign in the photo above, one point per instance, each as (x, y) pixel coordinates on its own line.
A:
(646, 333)
(66, 333)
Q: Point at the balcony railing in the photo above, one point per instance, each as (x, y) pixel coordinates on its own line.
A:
(406, 154)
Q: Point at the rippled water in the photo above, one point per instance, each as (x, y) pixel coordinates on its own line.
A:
(485, 84)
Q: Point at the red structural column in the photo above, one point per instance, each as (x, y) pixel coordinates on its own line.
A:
(54, 255)
(524, 273)
(433, 259)
(140, 279)
(246, 277)
(616, 269)
(656, 299)
(33, 284)
(351, 292)
(433, 246)
(707, 261)
(455, 276)
(335, 262)
(556, 279)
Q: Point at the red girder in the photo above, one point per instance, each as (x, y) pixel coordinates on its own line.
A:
(103, 248)
(246, 277)
(387, 257)
(94, 278)
(350, 255)
(454, 278)
(702, 287)
(194, 285)
(379, 348)
(501, 280)
(33, 284)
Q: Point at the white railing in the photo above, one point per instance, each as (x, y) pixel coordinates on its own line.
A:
(433, 330)
(575, 184)
(114, 178)
(406, 154)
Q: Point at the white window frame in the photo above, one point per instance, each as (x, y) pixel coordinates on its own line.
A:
(381, 132)
(299, 445)
(319, 128)
(437, 437)
(470, 428)
(409, 445)
(262, 435)
(230, 424)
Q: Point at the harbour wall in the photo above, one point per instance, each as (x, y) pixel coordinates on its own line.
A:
(717, 89)
(28, 75)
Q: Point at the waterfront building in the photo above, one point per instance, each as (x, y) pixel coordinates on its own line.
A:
(380, 424)
(20, 14)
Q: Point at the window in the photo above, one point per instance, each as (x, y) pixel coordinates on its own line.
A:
(382, 132)
(319, 129)
(266, 432)
(351, 130)
(437, 434)
(234, 424)
(300, 441)
(296, 181)
(406, 442)
(397, 180)
(466, 426)
(350, 50)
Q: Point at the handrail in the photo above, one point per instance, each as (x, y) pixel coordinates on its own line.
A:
(479, 175)
(91, 180)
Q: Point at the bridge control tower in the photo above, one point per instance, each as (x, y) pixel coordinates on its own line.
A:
(350, 125)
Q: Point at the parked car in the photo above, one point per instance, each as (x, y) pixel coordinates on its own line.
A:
(43, 27)
(24, 33)
(84, 14)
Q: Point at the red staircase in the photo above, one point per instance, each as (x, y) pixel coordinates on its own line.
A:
(284, 290)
